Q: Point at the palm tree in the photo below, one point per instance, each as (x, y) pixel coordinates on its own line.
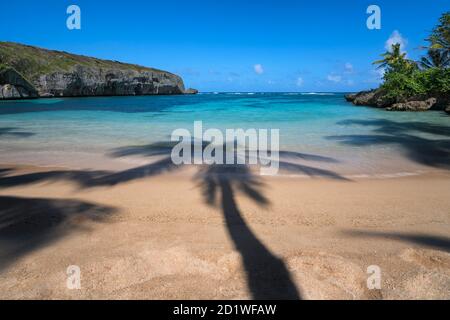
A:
(436, 59)
(440, 38)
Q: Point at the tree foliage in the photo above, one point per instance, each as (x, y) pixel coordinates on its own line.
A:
(430, 76)
(440, 37)
(435, 59)
(395, 60)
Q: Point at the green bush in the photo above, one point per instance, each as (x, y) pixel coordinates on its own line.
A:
(435, 80)
(400, 86)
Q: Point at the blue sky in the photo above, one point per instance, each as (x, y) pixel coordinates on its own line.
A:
(232, 45)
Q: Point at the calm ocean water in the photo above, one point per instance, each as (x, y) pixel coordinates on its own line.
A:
(81, 132)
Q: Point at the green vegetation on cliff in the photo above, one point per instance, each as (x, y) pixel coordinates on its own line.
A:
(3, 67)
(33, 62)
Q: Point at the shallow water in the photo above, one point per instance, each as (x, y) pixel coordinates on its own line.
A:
(81, 132)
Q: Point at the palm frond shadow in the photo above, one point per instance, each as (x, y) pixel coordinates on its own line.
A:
(160, 151)
(27, 224)
(13, 132)
(409, 136)
(431, 241)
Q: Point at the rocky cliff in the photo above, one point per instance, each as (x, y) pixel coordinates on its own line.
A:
(31, 72)
(14, 85)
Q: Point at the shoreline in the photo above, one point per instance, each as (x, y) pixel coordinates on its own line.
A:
(26, 99)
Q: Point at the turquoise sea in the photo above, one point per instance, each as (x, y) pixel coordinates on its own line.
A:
(81, 132)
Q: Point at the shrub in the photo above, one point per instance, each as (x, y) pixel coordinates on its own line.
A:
(400, 86)
(436, 80)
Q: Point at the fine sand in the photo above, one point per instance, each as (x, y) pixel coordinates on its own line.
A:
(215, 235)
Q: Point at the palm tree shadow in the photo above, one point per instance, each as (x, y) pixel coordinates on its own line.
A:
(408, 136)
(27, 224)
(267, 275)
(12, 132)
(426, 240)
(160, 151)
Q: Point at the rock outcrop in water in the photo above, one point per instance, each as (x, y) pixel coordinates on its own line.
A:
(413, 105)
(372, 98)
(31, 72)
(191, 91)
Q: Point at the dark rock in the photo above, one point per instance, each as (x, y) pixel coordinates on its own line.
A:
(9, 91)
(373, 98)
(47, 95)
(191, 91)
(350, 97)
(442, 103)
(377, 98)
(89, 81)
(14, 86)
(413, 105)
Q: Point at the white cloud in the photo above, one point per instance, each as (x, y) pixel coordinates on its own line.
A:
(380, 72)
(300, 81)
(348, 67)
(258, 68)
(334, 78)
(395, 38)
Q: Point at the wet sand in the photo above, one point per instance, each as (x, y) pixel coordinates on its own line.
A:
(210, 235)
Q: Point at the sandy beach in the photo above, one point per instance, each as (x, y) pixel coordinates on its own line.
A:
(193, 234)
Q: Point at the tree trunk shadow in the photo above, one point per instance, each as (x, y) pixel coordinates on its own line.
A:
(267, 275)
